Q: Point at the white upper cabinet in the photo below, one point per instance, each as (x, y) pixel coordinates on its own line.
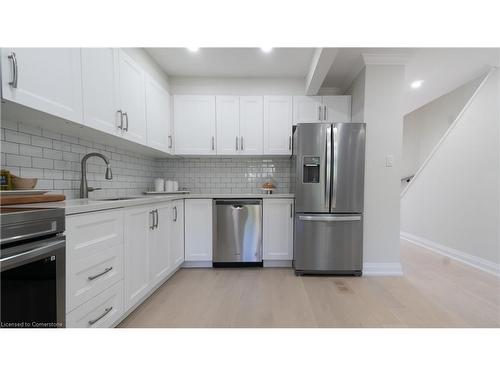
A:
(338, 108)
(46, 79)
(228, 124)
(277, 125)
(132, 99)
(194, 125)
(100, 81)
(251, 125)
(334, 108)
(307, 109)
(277, 224)
(158, 116)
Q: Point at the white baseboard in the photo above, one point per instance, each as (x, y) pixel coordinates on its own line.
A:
(197, 264)
(278, 263)
(382, 269)
(471, 260)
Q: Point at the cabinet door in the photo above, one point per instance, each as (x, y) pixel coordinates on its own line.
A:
(278, 229)
(48, 79)
(100, 89)
(158, 116)
(307, 109)
(177, 234)
(194, 125)
(159, 244)
(132, 99)
(198, 229)
(251, 125)
(338, 108)
(228, 124)
(277, 125)
(136, 255)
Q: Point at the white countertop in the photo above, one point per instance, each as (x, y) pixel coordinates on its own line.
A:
(78, 206)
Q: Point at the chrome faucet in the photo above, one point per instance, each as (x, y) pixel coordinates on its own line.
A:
(84, 188)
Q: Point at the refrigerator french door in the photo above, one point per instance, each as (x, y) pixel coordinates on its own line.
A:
(329, 188)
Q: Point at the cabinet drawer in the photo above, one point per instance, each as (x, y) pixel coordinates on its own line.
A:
(91, 273)
(94, 255)
(102, 311)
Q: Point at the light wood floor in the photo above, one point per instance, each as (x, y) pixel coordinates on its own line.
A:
(435, 292)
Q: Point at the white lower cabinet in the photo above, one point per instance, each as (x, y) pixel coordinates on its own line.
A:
(137, 229)
(198, 229)
(177, 234)
(278, 229)
(94, 255)
(102, 311)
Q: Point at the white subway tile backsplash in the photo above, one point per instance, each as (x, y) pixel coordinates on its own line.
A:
(58, 167)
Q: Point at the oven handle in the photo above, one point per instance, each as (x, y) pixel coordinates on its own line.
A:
(9, 262)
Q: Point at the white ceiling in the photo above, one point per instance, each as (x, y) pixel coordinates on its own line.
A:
(441, 69)
(233, 62)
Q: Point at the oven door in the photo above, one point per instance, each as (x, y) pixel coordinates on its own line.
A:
(33, 284)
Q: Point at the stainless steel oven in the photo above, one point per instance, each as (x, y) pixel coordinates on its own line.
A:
(32, 266)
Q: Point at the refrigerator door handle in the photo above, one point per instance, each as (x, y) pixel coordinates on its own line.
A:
(328, 167)
(329, 218)
(335, 165)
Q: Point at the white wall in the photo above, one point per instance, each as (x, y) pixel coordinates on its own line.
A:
(383, 114)
(357, 92)
(237, 86)
(452, 205)
(424, 127)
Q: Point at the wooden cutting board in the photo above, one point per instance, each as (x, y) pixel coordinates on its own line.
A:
(27, 199)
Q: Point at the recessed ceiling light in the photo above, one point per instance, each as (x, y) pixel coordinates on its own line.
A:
(193, 49)
(416, 84)
(266, 49)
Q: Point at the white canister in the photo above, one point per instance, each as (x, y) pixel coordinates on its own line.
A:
(169, 186)
(176, 186)
(159, 184)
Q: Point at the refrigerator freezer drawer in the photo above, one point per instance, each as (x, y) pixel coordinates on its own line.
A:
(329, 244)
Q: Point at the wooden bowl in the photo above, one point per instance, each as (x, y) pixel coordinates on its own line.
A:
(20, 183)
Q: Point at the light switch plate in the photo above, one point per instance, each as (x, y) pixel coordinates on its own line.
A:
(389, 160)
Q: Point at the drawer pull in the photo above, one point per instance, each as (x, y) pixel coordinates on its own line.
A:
(100, 274)
(106, 312)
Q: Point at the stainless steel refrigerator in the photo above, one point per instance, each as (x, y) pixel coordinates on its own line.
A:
(329, 163)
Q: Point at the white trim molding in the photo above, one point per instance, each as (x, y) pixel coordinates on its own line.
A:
(470, 260)
(382, 269)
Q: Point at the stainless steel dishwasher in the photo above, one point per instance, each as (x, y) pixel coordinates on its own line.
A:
(237, 236)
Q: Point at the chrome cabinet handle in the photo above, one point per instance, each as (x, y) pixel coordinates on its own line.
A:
(236, 143)
(157, 218)
(325, 115)
(291, 210)
(120, 112)
(13, 58)
(241, 144)
(106, 312)
(125, 114)
(169, 141)
(100, 274)
(213, 143)
(289, 142)
(319, 113)
(152, 226)
(175, 213)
